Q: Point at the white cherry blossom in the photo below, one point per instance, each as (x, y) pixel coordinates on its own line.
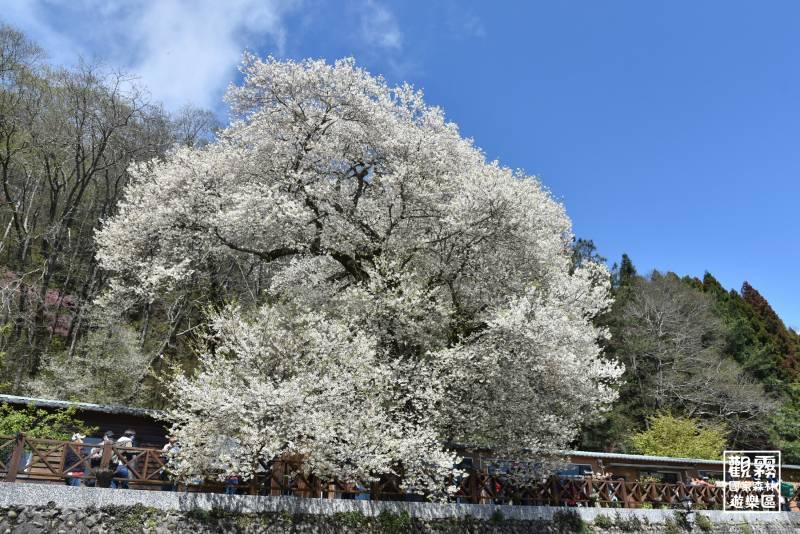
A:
(409, 293)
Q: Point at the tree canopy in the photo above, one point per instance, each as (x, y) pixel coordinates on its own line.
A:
(67, 138)
(680, 437)
(375, 257)
(421, 295)
(39, 423)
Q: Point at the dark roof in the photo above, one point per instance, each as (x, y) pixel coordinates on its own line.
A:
(640, 457)
(82, 406)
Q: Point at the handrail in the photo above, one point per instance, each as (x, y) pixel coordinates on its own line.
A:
(50, 459)
(46, 459)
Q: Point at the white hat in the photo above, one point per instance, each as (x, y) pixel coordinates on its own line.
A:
(77, 435)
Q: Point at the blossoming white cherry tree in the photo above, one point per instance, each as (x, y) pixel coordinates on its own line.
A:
(394, 290)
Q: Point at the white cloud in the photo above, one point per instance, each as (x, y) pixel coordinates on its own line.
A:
(183, 50)
(379, 26)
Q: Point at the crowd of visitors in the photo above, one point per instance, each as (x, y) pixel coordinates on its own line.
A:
(78, 463)
(82, 459)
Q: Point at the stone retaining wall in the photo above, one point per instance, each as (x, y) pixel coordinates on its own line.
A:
(34, 508)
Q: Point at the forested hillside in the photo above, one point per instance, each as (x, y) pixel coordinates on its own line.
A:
(70, 140)
(693, 349)
(67, 139)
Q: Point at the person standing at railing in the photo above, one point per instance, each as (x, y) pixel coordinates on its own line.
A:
(168, 453)
(122, 470)
(96, 459)
(71, 458)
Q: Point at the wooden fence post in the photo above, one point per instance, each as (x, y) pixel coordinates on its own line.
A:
(555, 492)
(624, 494)
(474, 490)
(105, 460)
(103, 474)
(16, 458)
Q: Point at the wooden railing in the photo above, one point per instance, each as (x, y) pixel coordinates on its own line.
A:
(31, 459)
(483, 488)
(286, 477)
(26, 458)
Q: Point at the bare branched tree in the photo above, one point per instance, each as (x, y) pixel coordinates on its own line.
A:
(672, 342)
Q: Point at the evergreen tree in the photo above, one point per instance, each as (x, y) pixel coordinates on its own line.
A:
(624, 274)
(773, 329)
(584, 250)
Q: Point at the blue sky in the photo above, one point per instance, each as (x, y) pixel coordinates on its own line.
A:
(669, 129)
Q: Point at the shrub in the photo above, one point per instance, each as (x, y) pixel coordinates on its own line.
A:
(670, 527)
(630, 524)
(129, 519)
(569, 522)
(497, 517)
(603, 521)
(704, 523)
(682, 520)
(394, 524)
(351, 519)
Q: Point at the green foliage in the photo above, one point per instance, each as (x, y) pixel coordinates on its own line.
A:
(603, 521)
(762, 344)
(667, 334)
(670, 527)
(680, 437)
(624, 274)
(497, 517)
(757, 338)
(394, 524)
(682, 520)
(569, 522)
(583, 251)
(748, 332)
(351, 519)
(704, 523)
(244, 522)
(199, 514)
(39, 423)
(129, 519)
(629, 524)
(649, 478)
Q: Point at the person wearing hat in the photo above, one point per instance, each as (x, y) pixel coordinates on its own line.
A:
(73, 461)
